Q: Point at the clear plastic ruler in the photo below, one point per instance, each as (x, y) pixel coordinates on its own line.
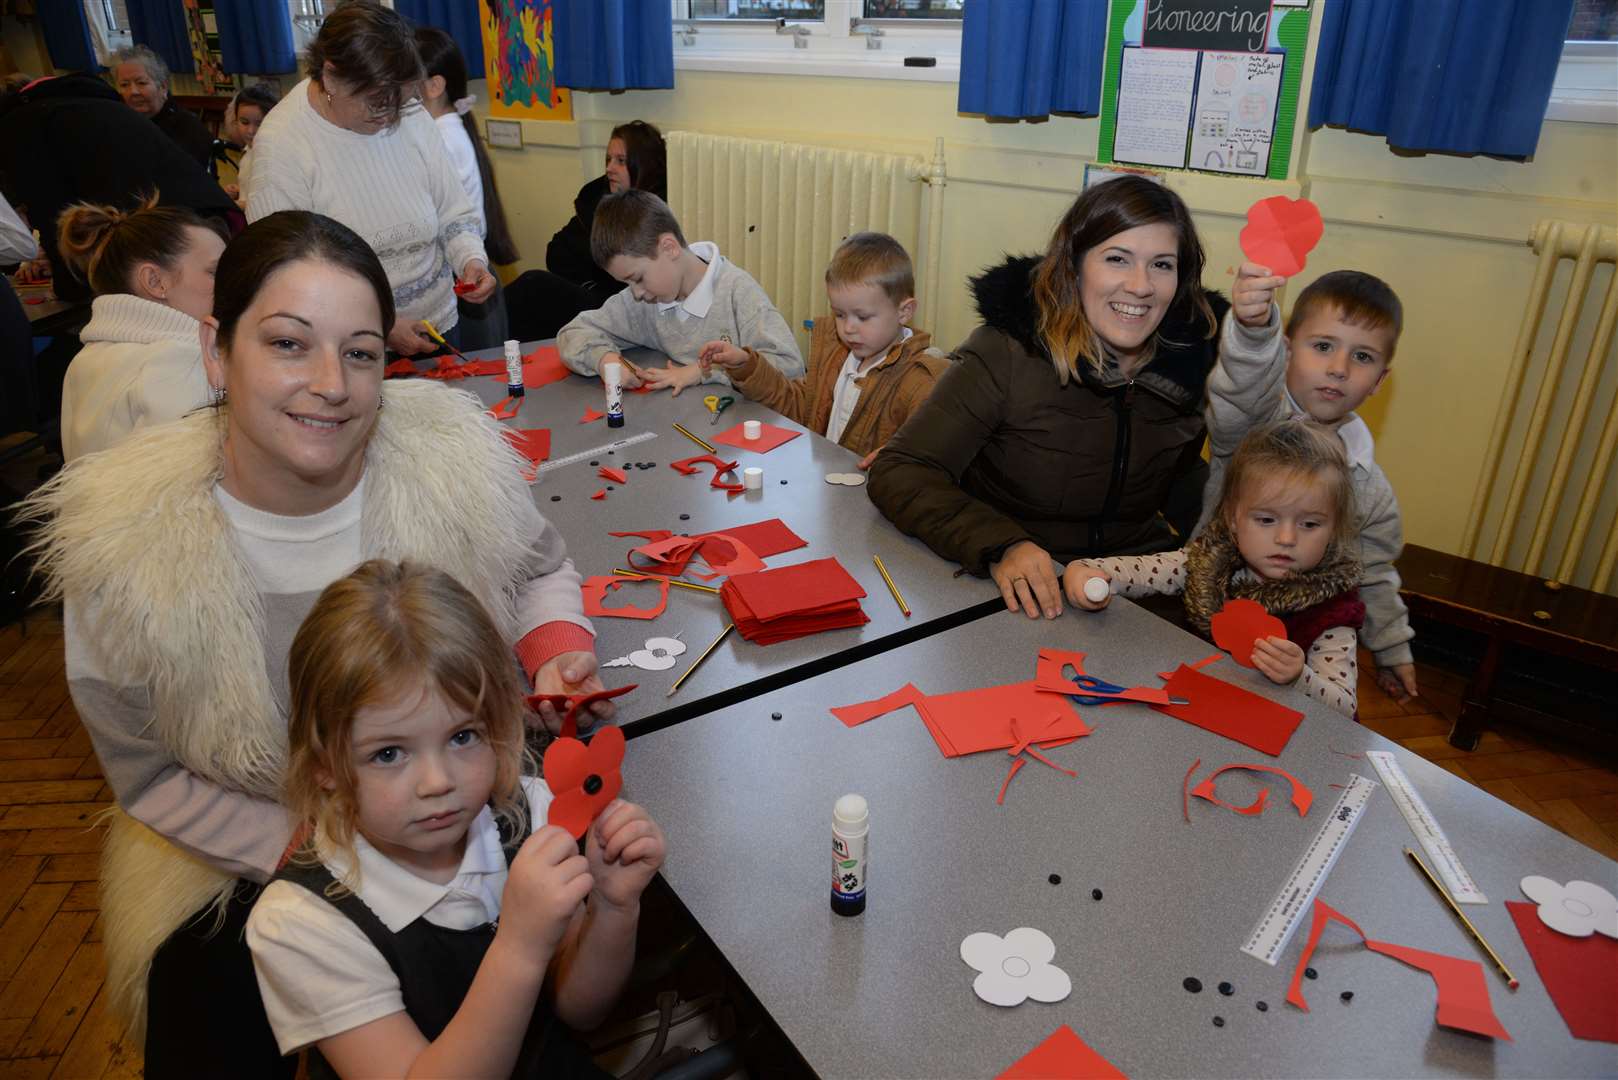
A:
(1269, 938)
(1462, 889)
(586, 455)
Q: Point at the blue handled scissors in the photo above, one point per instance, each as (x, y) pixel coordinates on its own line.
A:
(1112, 691)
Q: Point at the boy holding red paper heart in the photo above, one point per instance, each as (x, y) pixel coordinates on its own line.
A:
(414, 928)
(1332, 354)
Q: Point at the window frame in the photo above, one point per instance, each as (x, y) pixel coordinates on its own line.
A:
(1586, 86)
(105, 38)
(834, 45)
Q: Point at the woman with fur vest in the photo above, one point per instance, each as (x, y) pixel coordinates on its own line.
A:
(185, 565)
(1069, 416)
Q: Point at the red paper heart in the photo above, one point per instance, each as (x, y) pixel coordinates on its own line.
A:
(1240, 624)
(583, 779)
(1281, 232)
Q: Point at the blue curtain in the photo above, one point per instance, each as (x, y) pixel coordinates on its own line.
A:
(1022, 58)
(457, 18)
(1452, 75)
(160, 26)
(614, 44)
(255, 37)
(67, 36)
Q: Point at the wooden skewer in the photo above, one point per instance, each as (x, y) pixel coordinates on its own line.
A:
(892, 588)
(708, 446)
(658, 577)
(1511, 980)
(698, 661)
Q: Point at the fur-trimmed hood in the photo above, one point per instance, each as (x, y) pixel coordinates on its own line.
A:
(1004, 296)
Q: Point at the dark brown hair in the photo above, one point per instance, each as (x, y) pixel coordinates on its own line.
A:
(372, 49)
(1099, 214)
(646, 156)
(287, 236)
(1360, 298)
(442, 57)
(260, 94)
(103, 245)
(629, 223)
(873, 258)
(1292, 449)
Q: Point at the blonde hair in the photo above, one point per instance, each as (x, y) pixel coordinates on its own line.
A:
(385, 628)
(1096, 216)
(103, 245)
(1289, 450)
(873, 258)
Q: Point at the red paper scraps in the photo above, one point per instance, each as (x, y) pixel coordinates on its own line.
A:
(668, 556)
(463, 287)
(1062, 1056)
(541, 367)
(1463, 991)
(583, 779)
(771, 606)
(769, 437)
(1185, 791)
(598, 496)
(721, 467)
(726, 556)
(617, 476)
(399, 367)
(448, 369)
(1281, 232)
(855, 715)
(595, 595)
(532, 443)
(649, 534)
(1198, 666)
(591, 416)
(1580, 973)
(484, 367)
(1016, 766)
(764, 538)
(1302, 797)
(973, 721)
(1224, 709)
(1240, 625)
(571, 705)
(506, 409)
(1048, 677)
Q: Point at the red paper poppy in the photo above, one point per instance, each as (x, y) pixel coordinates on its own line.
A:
(1240, 625)
(1280, 233)
(583, 779)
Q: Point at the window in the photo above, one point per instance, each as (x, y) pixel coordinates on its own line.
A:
(862, 38)
(1586, 87)
(114, 15)
(109, 27)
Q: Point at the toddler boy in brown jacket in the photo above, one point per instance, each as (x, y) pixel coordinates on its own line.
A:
(867, 369)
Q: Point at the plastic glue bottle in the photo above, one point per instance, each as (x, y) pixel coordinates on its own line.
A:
(514, 386)
(850, 824)
(613, 376)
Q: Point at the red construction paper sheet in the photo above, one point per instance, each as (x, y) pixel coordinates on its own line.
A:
(769, 437)
(532, 443)
(1239, 625)
(591, 416)
(569, 766)
(541, 367)
(1302, 797)
(485, 367)
(595, 591)
(1463, 990)
(855, 715)
(838, 616)
(617, 476)
(1049, 678)
(398, 368)
(973, 721)
(1281, 232)
(1062, 1056)
(1224, 709)
(763, 538)
(1580, 974)
(803, 587)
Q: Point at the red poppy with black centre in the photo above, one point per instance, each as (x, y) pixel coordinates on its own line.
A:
(584, 779)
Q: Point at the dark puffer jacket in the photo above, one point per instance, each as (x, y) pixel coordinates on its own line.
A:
(1002, 452)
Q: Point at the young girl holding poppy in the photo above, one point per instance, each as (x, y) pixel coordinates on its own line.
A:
(1282, 535)
(413, 931)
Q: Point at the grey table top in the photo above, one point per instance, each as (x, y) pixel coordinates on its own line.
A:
(836, 521)
(746, 803)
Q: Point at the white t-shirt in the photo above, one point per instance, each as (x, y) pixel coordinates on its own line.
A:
(847, 393)
(464, 158)
(318, 973)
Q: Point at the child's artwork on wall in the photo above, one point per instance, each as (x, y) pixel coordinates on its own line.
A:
(202, 33)
(520, 57)
(1193, 84)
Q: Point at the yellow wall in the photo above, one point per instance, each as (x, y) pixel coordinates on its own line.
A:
(1448, 233)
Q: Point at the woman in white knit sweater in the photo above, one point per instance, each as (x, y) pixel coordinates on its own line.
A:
(349, 142)
(152, 271)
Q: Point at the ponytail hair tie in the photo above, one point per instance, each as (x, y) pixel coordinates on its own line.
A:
(464, 105)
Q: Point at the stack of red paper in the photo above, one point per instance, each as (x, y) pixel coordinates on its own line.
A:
(793, 601)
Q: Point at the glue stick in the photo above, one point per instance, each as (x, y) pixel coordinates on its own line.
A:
(613, 376)
(513, 369)
(850, 822)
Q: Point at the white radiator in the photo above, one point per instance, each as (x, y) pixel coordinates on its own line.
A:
(779, 210)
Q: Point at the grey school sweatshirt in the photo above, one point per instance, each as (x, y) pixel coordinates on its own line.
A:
(727, 303)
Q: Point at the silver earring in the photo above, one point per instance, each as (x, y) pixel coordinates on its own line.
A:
(219, 395)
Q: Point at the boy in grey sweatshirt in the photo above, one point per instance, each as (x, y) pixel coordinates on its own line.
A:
(681, 298)
(1334, 354)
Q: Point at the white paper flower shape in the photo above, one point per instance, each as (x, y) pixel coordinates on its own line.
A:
(1578, 909)
(1016, 967)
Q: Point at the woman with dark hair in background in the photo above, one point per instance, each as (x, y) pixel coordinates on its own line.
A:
(541, 302)
(345, 144)
(444, 95)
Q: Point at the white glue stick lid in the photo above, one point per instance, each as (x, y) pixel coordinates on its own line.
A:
(513, 349)
(613, 374)
(1095, 590)
(851, 815)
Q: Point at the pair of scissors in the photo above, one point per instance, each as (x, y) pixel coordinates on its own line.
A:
(717, 405)
(1106, 693)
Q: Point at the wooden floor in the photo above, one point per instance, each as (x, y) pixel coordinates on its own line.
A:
(52, 1017)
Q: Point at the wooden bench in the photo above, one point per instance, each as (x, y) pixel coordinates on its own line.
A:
(1509, 610)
